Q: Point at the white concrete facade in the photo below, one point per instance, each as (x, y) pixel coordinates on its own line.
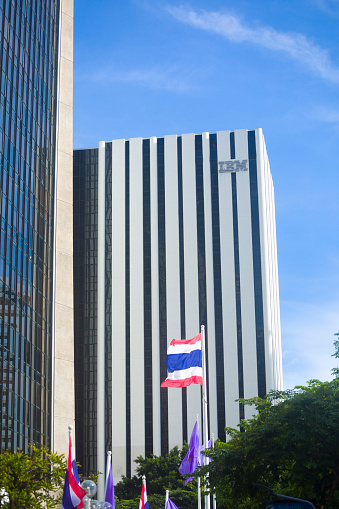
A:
(63, 328)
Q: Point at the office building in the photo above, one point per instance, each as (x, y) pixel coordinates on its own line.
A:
(36, 212)
(171, 233)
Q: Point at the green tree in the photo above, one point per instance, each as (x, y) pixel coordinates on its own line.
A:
(162, 474)
(290, 446)
(31, 480)
(335, 371)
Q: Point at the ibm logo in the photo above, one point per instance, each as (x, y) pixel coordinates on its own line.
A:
(233, 165)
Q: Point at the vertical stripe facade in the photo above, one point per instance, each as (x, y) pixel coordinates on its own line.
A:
(119, 335)
(192, 243)
(237, 282)
(127, 315)
(172, 276)
(108, 296)
(219, 347)
(147, 298)
(182, 281)
(161, 256)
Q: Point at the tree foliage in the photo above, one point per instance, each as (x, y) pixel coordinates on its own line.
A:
(31, 480)
(290, 446)
(162, 474)
(335, 371)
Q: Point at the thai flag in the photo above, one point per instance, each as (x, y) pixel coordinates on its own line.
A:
(73, 492)
(143, 504)
(184, 363)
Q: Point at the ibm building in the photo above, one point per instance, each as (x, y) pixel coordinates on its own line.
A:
(171, 233)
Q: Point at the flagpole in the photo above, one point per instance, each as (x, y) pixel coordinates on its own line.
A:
(198, 480)
(166, 499)
(204, 403)
(70, 427)
(199, 491)
(214, 494)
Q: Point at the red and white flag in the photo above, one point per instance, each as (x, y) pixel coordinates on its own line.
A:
(184, 363)
(143, 504)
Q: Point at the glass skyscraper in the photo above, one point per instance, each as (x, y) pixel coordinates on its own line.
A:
(30, 119)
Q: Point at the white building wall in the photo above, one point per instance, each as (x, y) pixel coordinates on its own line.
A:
(172, 277)
(228, 284)
(249, 347)
(155, 298)
(118, 309)
(268, 241)
(63, 399)
(212, 394)
(136, 301)
(191, 264)
(264, 202)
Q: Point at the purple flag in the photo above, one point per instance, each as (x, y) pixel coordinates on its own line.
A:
(190, 461)
(170, 504)
(109, 497)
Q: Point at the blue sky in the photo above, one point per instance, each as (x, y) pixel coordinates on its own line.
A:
(151, 68)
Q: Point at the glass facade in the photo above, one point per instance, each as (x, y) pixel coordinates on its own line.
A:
(28, 102)
(219, 333)
(85, 189)
(200, 205)
(237, 284)
(108, 296)
(127, 315)
(182, 279)
(147, 297)
(162, 293)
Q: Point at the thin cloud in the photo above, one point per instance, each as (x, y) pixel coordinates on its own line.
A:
(326, 114)
(330, 7)
(170, 79)
(307, 341)
(294, 45)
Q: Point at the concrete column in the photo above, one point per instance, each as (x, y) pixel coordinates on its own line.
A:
(63, 387)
